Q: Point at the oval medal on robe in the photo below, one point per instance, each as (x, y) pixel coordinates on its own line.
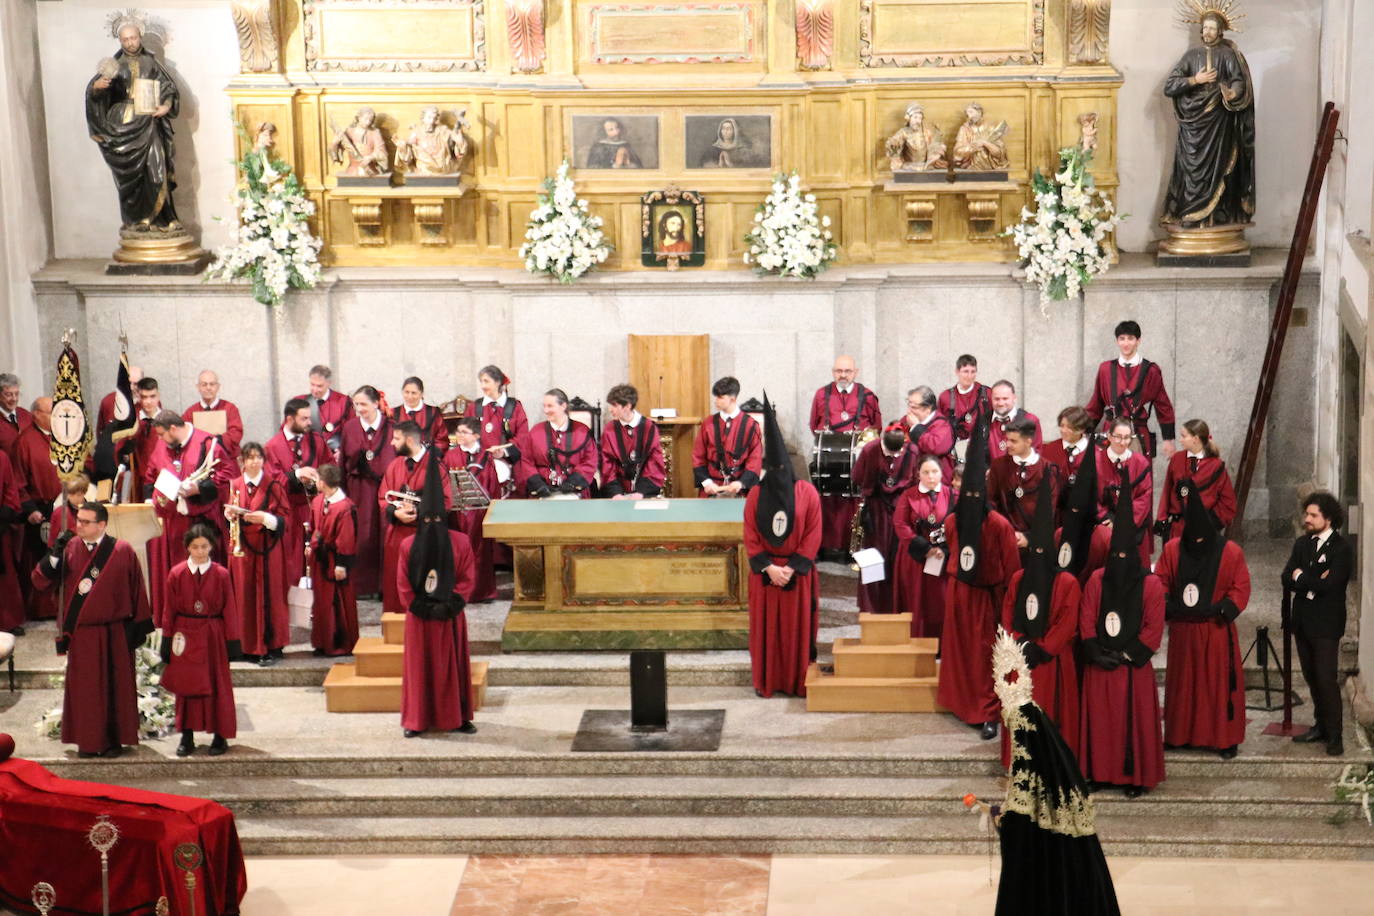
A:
(84, 586)
(1190, 594)
(891, 482)
(93, 572)
(1020, 492)
(1112, 624)
(176, 463)
(179, 644)
(1065, 555)
(198, 606)
(931, 518)
(488, 426)
(431, 581)
(779, 523)
(1073, 477)
(371, 454)
(844, 415)
(968, 417)
(329, 427)
(1032, 606)
(967, 557)
(1184, 491)
(1002, 445)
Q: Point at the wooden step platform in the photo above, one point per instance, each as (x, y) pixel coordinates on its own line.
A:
(884, 670)
(376, 658)
(393, 629)
(345, 690)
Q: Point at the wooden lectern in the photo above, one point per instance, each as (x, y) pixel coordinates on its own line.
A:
(674, 370)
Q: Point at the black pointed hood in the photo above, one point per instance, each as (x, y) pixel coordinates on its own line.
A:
(972, 506)
(1199, 559)
(776, 509)
(431, 571)
(1033, 594)
(1123, 577)
(1080, 513)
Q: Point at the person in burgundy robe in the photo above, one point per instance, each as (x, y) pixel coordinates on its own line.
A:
(727, 454)
(842, 406)
(105, 617)
(329, 409)
(1014, 481)
(333, 545)
(982, 558)
(505, 427)
(407, 474)
(207, 383)
(41, 490)
(259, 573)
(930, 432)
(365, 453)
(469, 454)
(1041, 611)
(967, 399)
(1004, 414)
(184, 452)
(884, 470)
(1121, 623)
(563, 456)
(13, 418)
(430, 419)
(136, 452)
(782, 535)
(1196, 468)
(200, 633)
(295, 454)
(1207, 585)
(1128, 387)
(919, 523)
(63, 516)
(1066, 452)
(1119, 466)
(11, 535)
(105, 413)
(434, 578)
(631, 451)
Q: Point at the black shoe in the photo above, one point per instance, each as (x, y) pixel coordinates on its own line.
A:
(1229, 753)
(1134, 791)
(1335, 748)
(278, 654)
(989, 731)
(17, 631)
(218, 746)
(467, 728)
(410, 733)
(266, 661)
(1311, 736)
(245, 657)
(111, 752)
(87, 755)
(319, 653)
(186, 748)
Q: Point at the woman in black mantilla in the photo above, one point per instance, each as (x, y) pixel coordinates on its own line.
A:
(138, 148)
(1213, 182)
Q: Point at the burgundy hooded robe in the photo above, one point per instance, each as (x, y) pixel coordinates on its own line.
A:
(618, 443)
(1109, 721)
(203, 611)
(1137, 389)
(1204, 683)
(882, 479)
(971, 616)
(469, 522)
(285, 456)
(727, 450)
(11, 538)
(936, 437)
(405, 475)
(784, 622)
(1142, 498)
(556, 457)
(40, 487)
(430, 419)
(852, 411)
(362, 479)
(436, 679)
(333, 542)
(259, 576)
(1055, 682)
(335, 408)
(1213, 483)
(99, 699)
(997, 432)
(961, 408)
(233, 423)
(918, 516)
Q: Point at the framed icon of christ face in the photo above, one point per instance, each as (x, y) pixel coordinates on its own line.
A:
(672, 229)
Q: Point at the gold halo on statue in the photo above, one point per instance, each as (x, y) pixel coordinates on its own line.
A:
(148, 26)
(1192, 12)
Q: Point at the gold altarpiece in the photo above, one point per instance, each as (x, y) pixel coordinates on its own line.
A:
(825, 81)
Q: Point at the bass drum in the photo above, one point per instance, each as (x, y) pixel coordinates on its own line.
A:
(832, 461)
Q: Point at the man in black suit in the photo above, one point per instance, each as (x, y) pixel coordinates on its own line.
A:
(1315, 580)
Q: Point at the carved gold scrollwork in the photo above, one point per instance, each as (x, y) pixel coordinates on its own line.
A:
(368, 227)
(920, 219)
(529, 573)
(982, 216)
(429, 221)
(815, 33)
(1089, 21)
(253, 20)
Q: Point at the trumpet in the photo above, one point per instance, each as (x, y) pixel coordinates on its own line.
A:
(207, 467)
(856, 533)
(235, 514)
(397, 498)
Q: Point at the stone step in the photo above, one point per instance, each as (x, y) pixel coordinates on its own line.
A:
(452, 759)
(346, 690)
(955, 833)
(916, 658)
(830, 693)
(616, 796)
(884, 629)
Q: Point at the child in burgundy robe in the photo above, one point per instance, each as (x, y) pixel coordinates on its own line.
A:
(919, 523)
(200, 634)
(334, 544)
(258, 499)
(469, 455)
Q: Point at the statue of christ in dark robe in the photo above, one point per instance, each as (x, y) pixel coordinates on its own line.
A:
(137, 146)
(1213, 182)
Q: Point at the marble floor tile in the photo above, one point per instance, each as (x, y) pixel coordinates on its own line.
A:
(348, 885)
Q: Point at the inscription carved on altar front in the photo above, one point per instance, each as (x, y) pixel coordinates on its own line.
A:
(650, 575)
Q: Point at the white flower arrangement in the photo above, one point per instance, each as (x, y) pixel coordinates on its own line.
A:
(273, 244)
(157, 709)
(562, 238)
(789, 238)
(1063, 244)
